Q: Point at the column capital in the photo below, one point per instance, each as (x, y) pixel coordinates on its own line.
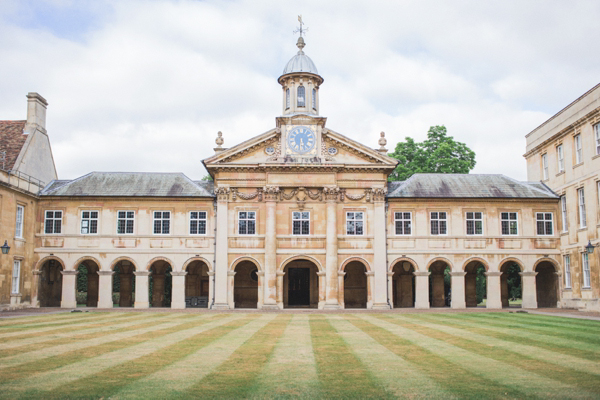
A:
(493, 273)
(390, 273)
(280, 273)
(222, 193)
(528, 273)
(370, 273)
(36, 272)
(321, 273)
(270, 193)
(421, 273)
(231, 273)
(106, 273)
(142, 273)
(341, 273)
(178, 273)
(331, 193)
(260, 273)
(210, 273)
(379, 194)
(69, 272)
(462, 273)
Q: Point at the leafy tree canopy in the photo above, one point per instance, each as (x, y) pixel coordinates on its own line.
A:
(207, 178)
(439, 153)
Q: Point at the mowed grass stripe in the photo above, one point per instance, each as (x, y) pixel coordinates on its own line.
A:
(575, 348)
(292, 370)
(176, 379)
(110, 381)
(528, 383)
(39, 319)
(543, 320)
(71, 324)
(237, 376)
(453, 378)
(69, 337)
(92, 365)
(341, 373)
(555, 366)
(399, 376)
(33, 356)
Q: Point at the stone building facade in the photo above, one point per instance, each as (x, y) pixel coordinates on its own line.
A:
(299, 216)
(564, 153)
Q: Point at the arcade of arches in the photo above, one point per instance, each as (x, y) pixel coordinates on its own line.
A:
(300, 284)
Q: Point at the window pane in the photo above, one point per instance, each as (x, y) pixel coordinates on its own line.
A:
(513, 228)
(49, 214)
(130, 226)
(251, 227)
(130, 214)
(505, 230)
(243, 214)
(442, 227)
(442, 215)
(504, 215)
(202, 215)
(349, 228)
(398, 228)
(85, 214)
(358, 215)
(202, 227)
(242, 227)
(194, 215)
(540, 228)
(359, 227)
(434, 228)
(406, 215)
(434, 215)
(305, 227)
(407, 227)
(397, 215)
(251, 215)
(548, 217)
(296, 228)
(350, 215)
(478, 227)
(156, 214)
(513, 216)
(193, 227)
(470, 227)
(166, 226)
(157, 226)
(57, 225)
(305, 215)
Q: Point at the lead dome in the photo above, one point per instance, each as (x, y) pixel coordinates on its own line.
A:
(300, 62)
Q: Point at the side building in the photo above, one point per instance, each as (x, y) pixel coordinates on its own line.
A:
(564, 153)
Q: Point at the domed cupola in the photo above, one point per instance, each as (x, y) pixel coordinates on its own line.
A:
(300, 81)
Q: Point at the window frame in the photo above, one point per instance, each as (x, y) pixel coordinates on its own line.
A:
(246, 219)
(19, 221)
(438, 220)
(509, 220)
(198, 220)
(581, 208)
(475, 220)
(563, 213)
(585, 271)
(544, 221)
(287, 99)
(53, 219)
(567, 264)
(404, 220)
(545, 172)
(303, 104)
(89, 220)
(560, 158)
(163, 220)
(126, 218)
(301, 221)
(597, 137)
(16, 280)
(578, 149)
(314, 99)
(354, 221)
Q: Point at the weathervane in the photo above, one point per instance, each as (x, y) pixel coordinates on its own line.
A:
(301, 29)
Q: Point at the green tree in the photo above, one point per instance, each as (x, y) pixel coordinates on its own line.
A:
(439, 153)
(207, 178)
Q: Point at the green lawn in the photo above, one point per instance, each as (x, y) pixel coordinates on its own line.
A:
(121, 355)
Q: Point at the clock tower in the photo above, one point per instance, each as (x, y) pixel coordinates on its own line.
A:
(300, 123)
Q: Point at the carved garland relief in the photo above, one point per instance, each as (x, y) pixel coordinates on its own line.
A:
(274, 193)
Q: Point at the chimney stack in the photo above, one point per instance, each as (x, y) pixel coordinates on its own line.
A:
(36, 110)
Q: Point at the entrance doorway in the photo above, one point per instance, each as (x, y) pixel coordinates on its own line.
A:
(51, 284)
(510, 284)
(300, 284)
(546, 283)
(87, 284)
(403, 289)
(355, 285)
(245, 285)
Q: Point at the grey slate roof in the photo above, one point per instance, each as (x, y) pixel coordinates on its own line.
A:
(130, 184)
(467, 186)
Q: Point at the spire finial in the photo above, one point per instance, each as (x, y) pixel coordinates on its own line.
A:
(302, 31)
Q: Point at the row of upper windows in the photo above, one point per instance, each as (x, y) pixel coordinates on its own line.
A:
(581, 210)
(301, 98)
(560, 154)
(586, 276)
(355, 223)
(125, 222)
(473, 223)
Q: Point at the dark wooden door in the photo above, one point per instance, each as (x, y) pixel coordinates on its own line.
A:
(299, 287)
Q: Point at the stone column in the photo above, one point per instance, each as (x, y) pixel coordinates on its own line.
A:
(457, 280)
(370, 288)
(141, 289)
(390, 281)
(178, 289)
(331, 256)
(380, 294)
(341, 288)
(322, 289)
(105, 281)
(35, 287)
(211, 288)
(221, 259)
(261, 290)
(493, 297)
(158, 290)
(280, 275)
(270, 194)
(529, 289)
(230, 286)
(422, 289)
(69, 289)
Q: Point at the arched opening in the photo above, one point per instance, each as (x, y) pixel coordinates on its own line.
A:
(124, 284)
(50, 291)
(403, 285)
(355, 285)
(87, 284)
(475, 284)
(510, 285)
(546, 283)
(245, 285)
(196, 285)
(160, 284)
(300, 284)
(301, 97)
(439, 284)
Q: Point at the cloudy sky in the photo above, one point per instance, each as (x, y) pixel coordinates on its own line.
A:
(146, 85)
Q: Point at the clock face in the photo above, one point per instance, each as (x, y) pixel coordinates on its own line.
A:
(301, 139)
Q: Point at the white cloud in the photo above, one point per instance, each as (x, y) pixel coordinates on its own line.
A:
(145, 86)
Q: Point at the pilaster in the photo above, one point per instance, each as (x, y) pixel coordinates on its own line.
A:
(529, 289)
(458, 289)
(422, 289)
(322, 288)
(220, 285)
(331, 295)
(280, 275)
(230, 283)
(493, 296)
(69, 288)
(341, 289)
(380, 294)
(178, 290)
(270, 194)
(105, 281)
(35, 287)
(141, 289)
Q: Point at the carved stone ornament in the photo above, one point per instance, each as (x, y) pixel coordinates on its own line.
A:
(222, 193)
(301, 194)
(247, 196)
(379, 194)
(357, 197)
(271, 193)
(325, 155)
(331, 193)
